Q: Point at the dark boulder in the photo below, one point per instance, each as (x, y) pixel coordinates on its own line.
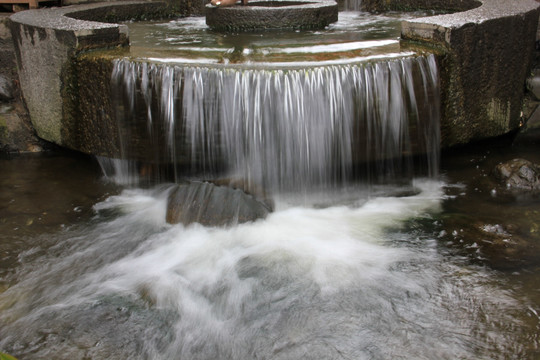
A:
(519, 174)
(212, 205)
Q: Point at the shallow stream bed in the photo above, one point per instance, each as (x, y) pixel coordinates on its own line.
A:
(89, 269)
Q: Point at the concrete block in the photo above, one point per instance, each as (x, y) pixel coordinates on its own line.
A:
(488, 53)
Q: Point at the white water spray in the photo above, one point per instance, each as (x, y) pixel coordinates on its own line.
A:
(285, 128)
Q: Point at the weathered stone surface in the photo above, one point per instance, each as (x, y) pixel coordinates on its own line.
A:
(211, 205)
(519, 174)
(47, 40)
(4, 28)
(275, 14)
(6, 88)
(479, 97)
(16, 134)
(8, 69)
(89, 122)
(255, 190)
(489, 52)
(408, 5)
(533, 85)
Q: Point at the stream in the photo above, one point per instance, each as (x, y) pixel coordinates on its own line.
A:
(90, 269)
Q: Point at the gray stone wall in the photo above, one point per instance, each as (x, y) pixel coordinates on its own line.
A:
(43, 56)
(488, 53)
(310, 14)
(187, 7)
(46, 43)
(408, 5)
(16, 132)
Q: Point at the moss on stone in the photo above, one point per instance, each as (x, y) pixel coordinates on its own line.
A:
(3, 129)
(90, 125)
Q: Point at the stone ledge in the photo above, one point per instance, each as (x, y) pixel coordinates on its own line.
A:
(90, 20)
(413, 5)
(437, 28)
(274, 14)
(47, 40)
(488, 53)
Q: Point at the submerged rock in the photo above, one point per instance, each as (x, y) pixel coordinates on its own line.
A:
(492, 241)
(519, 174)
(212, 205)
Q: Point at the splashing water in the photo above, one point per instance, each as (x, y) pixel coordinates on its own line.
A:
(353, 278)
(340, 282)
(289, 129)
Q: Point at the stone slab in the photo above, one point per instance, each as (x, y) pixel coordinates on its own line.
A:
(413, 5)
(47, 40)
(487, 56)
(430, 28)
(275, 14)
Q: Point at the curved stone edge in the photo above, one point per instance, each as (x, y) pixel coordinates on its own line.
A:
(488, 53)
(47, 40)
(212, 205)
(414, 5)
(314, 14)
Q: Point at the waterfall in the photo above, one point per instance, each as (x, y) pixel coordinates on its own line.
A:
(286, 128)
(352, 5)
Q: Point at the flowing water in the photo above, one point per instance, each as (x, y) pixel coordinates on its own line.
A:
(91, 270)
(280, 109)
(356, 36)
(287, 130)
(422, 264)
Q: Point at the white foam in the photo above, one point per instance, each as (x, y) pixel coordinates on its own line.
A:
(303, 282)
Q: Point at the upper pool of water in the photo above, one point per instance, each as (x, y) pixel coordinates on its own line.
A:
(355, 37)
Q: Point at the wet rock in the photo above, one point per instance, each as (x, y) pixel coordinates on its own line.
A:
(533, 85)
(6, 88)
(212, 205)
(16, 133)
(256, 190)
(519, 174)
(503, 247)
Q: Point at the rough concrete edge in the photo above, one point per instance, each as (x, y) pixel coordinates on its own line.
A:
(414, 5)
(72, 19)
(438, 29)
(64, 33)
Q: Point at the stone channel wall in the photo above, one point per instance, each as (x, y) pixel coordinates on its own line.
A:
(47, 42)
(486, 54)
(408, 5)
